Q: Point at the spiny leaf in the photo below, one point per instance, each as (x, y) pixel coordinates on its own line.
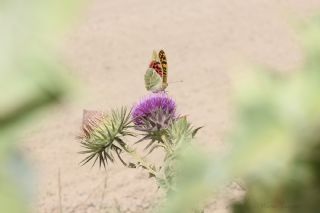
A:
(154, 147)
(194, 132)
(143, 139)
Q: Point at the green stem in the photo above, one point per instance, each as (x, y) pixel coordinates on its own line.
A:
(142, 162)
(167, 144)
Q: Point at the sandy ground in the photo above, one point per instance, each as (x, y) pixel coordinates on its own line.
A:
(109, 51)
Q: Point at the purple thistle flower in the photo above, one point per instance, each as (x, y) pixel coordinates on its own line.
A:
(154, 112)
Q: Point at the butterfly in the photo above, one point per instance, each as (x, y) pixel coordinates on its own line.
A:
(157, 74)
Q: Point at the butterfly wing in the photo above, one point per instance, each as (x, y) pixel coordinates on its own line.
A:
(164, 66)
(152, 80)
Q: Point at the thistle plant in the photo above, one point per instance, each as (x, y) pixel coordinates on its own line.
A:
(152, 121)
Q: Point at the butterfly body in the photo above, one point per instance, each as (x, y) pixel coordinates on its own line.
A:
(157, 74)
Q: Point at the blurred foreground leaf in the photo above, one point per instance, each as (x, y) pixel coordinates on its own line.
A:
(275, 141)
(30, 79)
(191, 184)
(283, 120)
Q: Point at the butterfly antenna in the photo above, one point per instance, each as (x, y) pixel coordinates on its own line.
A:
(174, 82)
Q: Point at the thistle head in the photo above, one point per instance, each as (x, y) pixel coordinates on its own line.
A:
(91, 121)
(102, 135)
(154, 113)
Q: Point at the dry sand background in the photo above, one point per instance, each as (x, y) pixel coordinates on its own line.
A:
(109, 51)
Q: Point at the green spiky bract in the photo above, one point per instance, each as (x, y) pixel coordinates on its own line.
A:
(154, 129)
(106, 138)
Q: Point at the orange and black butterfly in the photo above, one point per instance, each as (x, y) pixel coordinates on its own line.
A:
(156, 77)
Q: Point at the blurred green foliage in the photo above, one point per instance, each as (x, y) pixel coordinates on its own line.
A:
(275, 141)
(278, 131)
(190, 182)
(30, 79)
